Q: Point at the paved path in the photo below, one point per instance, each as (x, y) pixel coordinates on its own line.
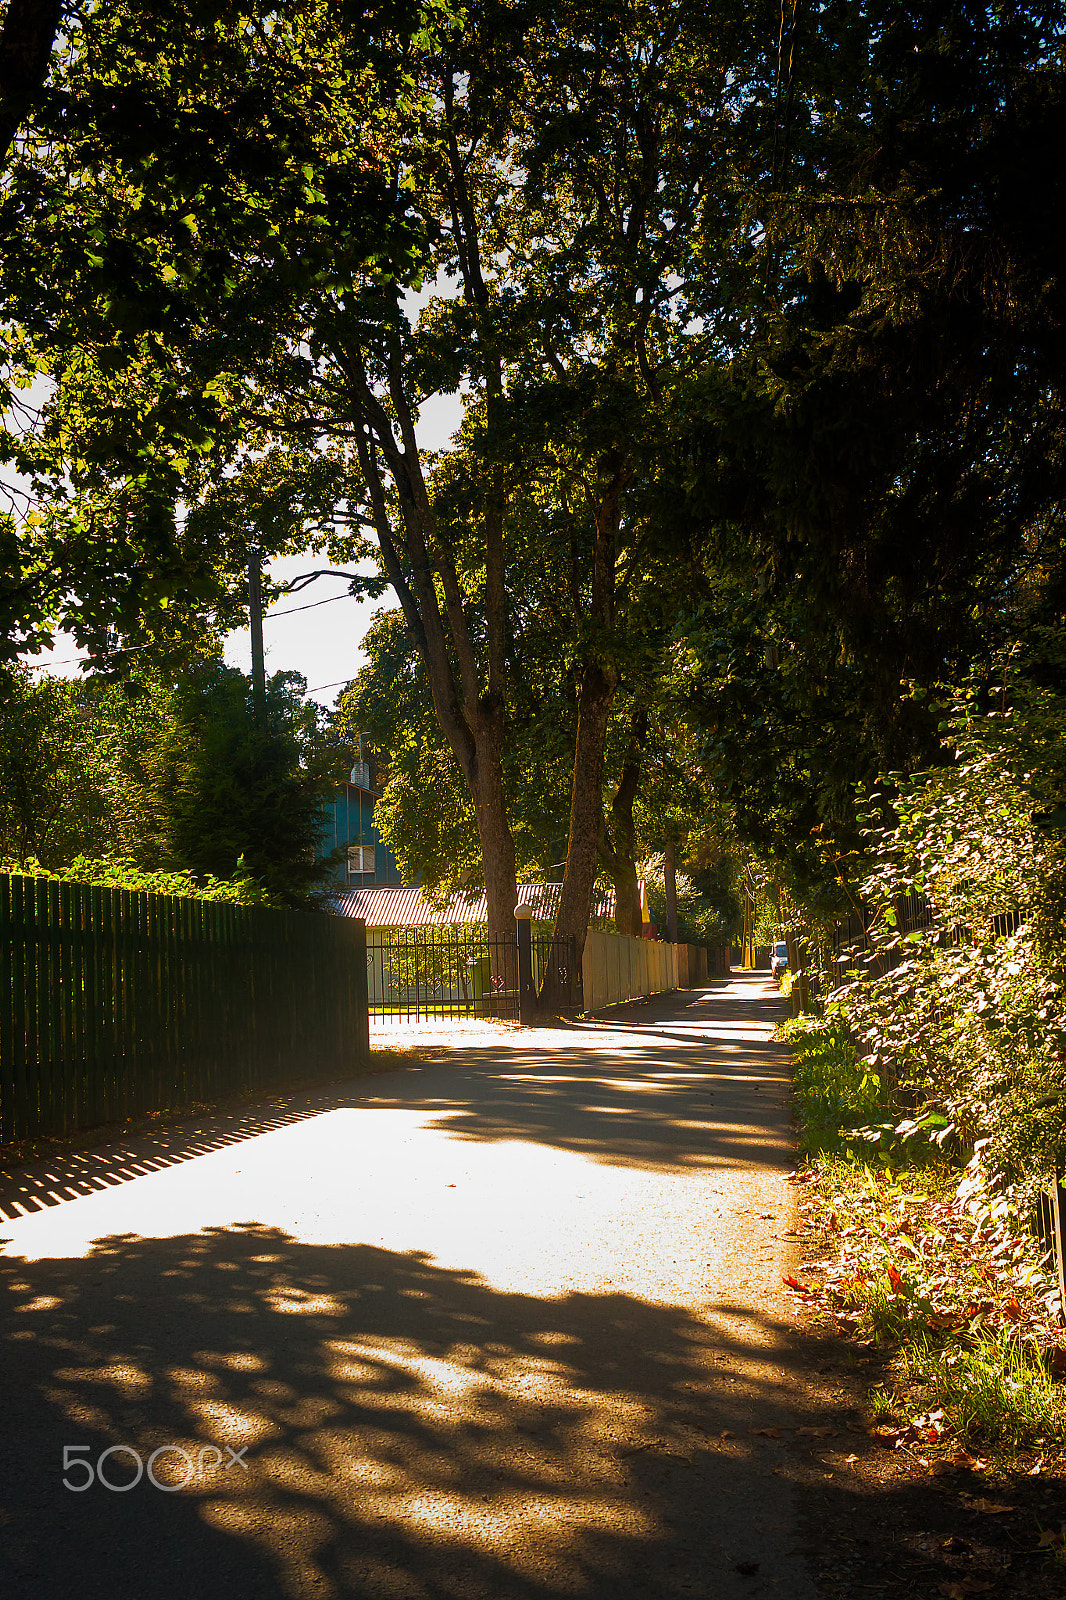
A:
(499, 1325)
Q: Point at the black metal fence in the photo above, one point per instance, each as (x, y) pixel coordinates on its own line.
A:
(416, 974)
(114, 1003)
(853, 945)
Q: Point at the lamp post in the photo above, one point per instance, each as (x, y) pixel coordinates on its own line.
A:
(527, 994)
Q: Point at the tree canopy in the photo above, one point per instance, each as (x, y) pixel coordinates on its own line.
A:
(756, 318)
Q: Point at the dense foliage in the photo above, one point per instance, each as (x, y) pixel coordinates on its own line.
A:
(163, 777)
(960, 1002)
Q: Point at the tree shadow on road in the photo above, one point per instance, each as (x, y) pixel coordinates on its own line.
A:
(625, 1094)
(409, 1432)
(633, 1098)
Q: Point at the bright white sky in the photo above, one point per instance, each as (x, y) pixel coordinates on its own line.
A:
(323, 642)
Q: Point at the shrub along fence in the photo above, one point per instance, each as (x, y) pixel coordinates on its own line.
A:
(851, 948)
(115, 1003)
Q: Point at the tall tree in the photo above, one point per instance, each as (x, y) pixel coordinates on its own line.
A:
(26, 40)
(639, 121)
(885, 452)
(219, 155)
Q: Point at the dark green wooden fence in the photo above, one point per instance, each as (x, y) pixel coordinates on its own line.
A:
(114, 1003)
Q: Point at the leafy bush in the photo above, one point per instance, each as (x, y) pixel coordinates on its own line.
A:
(836, 1090)
(972, 1020)
(112, 874)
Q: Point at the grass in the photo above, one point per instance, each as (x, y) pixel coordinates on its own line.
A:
(995, 1392)
(955, 1295)
(837, 1093)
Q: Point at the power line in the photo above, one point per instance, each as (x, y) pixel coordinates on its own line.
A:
(127, 649)
(319, 687)
(309, 607)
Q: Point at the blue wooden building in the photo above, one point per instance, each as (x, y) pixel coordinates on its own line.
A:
(348, 825)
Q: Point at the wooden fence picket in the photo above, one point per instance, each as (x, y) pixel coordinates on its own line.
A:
(114, 1003)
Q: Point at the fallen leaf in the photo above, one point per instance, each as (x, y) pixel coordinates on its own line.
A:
(1012, 1310)
(815, 1433)
(769, 1433)
(793, 1283)
(849, 1459)
(895, 1280)
(963, 1458)
(1034, 1472)
(990, 1507)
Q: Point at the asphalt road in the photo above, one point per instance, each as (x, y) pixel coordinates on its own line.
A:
(502, 1324)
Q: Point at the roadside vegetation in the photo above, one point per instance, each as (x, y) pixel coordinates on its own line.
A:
(918, 1254)
(176, 787)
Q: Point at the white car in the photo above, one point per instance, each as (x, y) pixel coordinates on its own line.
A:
(779, 960)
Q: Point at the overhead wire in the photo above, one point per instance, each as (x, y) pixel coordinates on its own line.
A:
(127, 649)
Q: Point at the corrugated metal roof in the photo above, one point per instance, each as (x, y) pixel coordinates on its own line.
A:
(386, 907)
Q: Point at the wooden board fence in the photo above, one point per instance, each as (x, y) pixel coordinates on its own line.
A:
(115, 1003)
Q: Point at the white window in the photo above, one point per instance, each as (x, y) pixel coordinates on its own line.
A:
(361, 858)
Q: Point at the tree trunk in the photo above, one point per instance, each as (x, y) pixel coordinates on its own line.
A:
(599, 680)
(627, 912)
(494, 832)
(586, 805)
(670, 876)
(616, 840)
(470, 703)
(26, 42)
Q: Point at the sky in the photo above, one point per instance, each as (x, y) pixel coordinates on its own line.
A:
(323, 641)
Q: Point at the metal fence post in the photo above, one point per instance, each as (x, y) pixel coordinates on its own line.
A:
(361, 991)
(1057, 1220)
(527, 994)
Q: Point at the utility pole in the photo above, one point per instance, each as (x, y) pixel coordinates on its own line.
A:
(255, 623)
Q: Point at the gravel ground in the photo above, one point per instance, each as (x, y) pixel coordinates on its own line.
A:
(505, 1322)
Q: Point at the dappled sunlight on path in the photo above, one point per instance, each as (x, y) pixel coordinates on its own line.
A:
(479, 1327)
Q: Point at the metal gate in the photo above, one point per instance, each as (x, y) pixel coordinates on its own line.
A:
(426, 973)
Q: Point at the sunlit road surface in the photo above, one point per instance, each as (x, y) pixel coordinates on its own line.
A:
(502, 1324)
